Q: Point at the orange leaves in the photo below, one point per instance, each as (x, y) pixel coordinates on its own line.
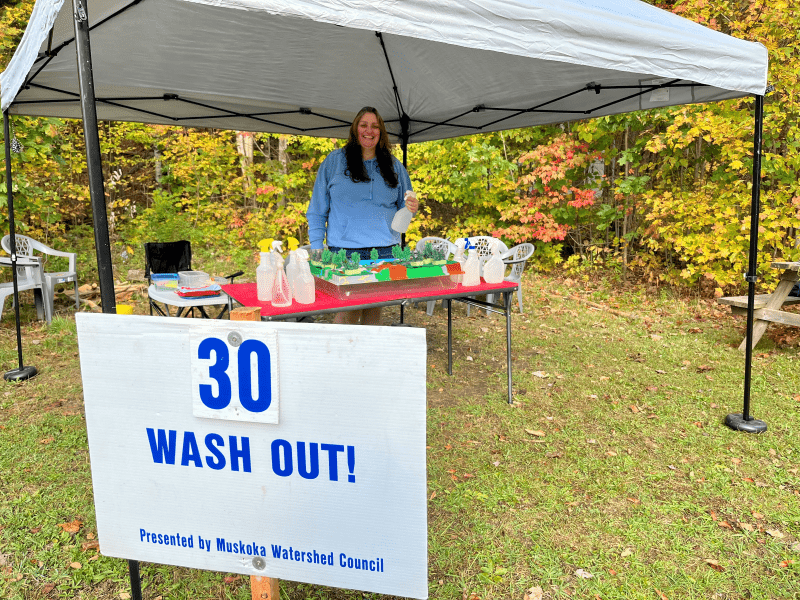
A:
(71, 527)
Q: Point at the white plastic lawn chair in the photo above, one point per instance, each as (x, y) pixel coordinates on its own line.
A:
(29, 277)
(442, 245)
(483, 246)
(516, 257)
(26, 247)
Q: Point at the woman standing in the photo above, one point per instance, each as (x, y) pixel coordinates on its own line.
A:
(358, 190)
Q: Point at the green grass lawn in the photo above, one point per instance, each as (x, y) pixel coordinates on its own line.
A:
(612, 476)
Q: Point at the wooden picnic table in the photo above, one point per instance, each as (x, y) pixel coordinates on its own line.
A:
(769, 307)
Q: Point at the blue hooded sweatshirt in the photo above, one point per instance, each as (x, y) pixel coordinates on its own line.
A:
(354, 215)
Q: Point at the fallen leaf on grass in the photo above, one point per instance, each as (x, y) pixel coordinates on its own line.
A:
(775, 533)
(540, 374)
(725, 524)
(626, 552)
(661, 372)
(661, 594)
(611, 571)
(75, 565)
(433, 495)
(611, 453)
(231, 579)
(786, 563)
(46, 440)
(736, 461)
(746, 526)
(583, 574)
(537, 432)
(71, 526)
(35, 529)
(90, 545)
(714, 564)
(534, 593)
(634, 500)
(48, 587)
(553, 455)
(757, 515)
(124, 596)
(748, 480)
(704, 368)
(469, 358)
(634, 409)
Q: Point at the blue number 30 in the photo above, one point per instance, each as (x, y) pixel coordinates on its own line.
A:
(219, 373)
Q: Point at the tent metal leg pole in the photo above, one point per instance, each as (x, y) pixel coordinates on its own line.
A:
(22, 372)
(744, 421)
(93, 160)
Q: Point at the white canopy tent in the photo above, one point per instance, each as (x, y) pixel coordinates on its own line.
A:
(433, 68)
(452, 67)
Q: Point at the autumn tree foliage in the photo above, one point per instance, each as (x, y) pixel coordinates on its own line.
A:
(556, 192)
(663, 193)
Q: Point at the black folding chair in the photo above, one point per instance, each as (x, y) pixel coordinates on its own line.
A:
(172, 257)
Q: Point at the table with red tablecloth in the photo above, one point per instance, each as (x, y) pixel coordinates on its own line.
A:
(246, 295)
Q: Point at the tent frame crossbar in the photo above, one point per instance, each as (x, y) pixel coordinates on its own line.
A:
(404, 120)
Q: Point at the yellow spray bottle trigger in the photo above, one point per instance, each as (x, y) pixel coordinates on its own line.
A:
(293, 243)
(265, 244)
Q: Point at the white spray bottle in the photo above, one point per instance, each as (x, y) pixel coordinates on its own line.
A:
(293, 271)
(402, 218)
(304, 288)
(472, 268)
(281, 293)
(461, 245)
(495, 269)
(265, 273)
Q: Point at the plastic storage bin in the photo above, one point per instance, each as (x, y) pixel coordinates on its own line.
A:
(165, 281)
(192, 279)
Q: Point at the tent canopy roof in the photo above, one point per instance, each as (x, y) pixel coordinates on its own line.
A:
(452, 67)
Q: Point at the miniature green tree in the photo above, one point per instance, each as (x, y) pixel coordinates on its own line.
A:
(355, 257)
(336, 259)
(397, 252)
(406, 254)
(327, 257)
(427, 250)
(373, 254)
(342, 254)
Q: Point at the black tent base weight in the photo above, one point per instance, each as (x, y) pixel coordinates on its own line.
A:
(21, 374)
(738, 423)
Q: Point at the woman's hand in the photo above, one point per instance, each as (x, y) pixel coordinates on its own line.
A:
(412, 203)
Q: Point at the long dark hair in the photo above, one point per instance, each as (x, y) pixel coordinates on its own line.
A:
(383, 152)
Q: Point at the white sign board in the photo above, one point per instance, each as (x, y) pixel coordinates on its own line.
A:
(311, 469)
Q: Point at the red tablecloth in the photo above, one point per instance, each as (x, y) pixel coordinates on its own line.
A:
(246, 295)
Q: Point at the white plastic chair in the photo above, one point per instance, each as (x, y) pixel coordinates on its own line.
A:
(26, 247)
(516, 257)
(442, 245)
(483, 246)
(29, 277)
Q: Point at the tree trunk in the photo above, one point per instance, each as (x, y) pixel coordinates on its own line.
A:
(283, 158)
(244, 145)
